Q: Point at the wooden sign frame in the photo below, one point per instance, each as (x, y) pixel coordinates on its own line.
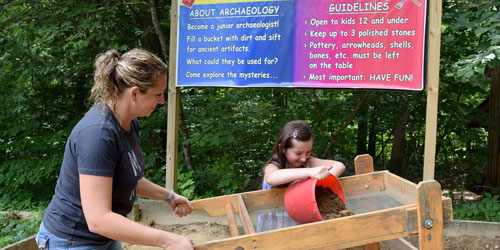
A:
(432, 90)
(425, 190)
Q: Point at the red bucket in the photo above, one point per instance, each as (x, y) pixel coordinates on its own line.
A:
(300, 198)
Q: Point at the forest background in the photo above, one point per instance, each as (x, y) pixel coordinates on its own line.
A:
(47, 49)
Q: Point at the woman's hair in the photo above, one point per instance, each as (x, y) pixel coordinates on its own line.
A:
(114, 73)
(297, 130)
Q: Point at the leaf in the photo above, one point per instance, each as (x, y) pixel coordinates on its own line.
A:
(480, 31)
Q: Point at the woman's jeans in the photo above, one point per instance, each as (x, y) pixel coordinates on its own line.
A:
(48, 241)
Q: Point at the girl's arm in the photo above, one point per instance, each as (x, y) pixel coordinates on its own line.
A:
(337, 168)
(275, 176)
(151, 190)
(95, 193)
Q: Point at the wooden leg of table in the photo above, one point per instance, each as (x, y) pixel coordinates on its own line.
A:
(430, 215)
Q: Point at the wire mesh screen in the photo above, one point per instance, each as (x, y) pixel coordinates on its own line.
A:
(274, 218)
(372, 202)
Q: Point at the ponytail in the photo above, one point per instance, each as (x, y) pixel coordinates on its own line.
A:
(114, 73)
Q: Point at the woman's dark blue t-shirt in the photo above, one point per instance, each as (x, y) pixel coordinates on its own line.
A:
(97, 146)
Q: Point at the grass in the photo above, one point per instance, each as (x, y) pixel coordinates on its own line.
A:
(15, 228)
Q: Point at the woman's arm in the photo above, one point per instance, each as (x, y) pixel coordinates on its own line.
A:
(337, 168)
(96, 193)
(151, 190)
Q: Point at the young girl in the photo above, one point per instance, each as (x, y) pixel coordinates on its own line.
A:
(291, 160)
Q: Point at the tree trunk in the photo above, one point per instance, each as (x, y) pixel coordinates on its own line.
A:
(150, 41)
(159, 32)
(493, 171)
(395, 165)
(362, 133)
(346, 123)
(164, 48)
(372, 135)
(279, 98)
(317, 106)
(186, 146)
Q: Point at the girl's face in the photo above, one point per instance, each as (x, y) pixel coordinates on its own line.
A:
(298, 153)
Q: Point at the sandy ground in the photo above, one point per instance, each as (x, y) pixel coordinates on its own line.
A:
(199, 232)
(465, 242)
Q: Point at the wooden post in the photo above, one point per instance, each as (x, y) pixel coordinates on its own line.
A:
(433, 55)
(430, 216)
(174, 97)
(137, 212)
(363, 164)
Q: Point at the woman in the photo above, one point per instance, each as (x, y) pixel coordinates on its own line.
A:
(102, 169)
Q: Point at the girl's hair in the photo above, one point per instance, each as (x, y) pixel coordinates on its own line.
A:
(297, 130)
(114, 73)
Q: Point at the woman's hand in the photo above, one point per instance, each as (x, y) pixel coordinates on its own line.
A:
(180, 243)
(180, 205)
(319, 172)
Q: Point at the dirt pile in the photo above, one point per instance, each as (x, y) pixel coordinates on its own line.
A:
(330, 205)
(199, 232)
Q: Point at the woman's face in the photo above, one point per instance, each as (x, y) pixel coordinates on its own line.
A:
(147, 102)
(298, 153)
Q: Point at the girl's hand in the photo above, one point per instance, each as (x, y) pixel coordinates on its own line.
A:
(319, 172)
(180, 205)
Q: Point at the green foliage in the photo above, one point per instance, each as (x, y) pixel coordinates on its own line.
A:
(487, 209)
(14, 228)
(186, 185)
(153, 141)
(466, 49)
(480, 22)
(49, 47)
